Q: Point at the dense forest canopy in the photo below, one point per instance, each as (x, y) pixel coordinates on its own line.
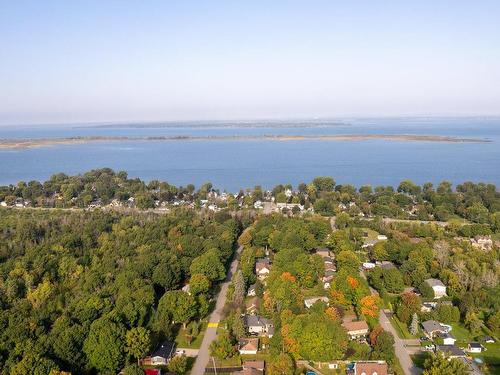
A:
(81, 291)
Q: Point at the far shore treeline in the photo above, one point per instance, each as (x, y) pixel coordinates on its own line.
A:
(478, 203)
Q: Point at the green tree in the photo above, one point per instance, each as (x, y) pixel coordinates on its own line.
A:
(199, 284)
(438, 364)
(34, 364)
(133, 369)
(324, 183)
(223, 347)
(239, 288)
(104, 345)
(178, 365)
(178, 305)
(348, 260)
(210, 265)
(138, 342)
(384, 347)
(281, 364)
(414, 324)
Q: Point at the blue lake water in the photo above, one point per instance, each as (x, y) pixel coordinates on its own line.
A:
(239, 164)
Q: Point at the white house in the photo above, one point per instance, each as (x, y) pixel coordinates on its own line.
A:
(309, 302)
(259, 325)
(438, 287)
(475, 347)
(262, 268)
(448, 339)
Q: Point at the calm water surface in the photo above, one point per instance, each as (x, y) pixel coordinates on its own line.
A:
(238, 164)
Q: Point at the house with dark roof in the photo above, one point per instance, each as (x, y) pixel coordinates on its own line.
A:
(259, 325)
(451, 351)
(161, 355)
(433, 328)
(474, 347)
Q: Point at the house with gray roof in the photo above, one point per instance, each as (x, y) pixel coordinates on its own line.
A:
(433, 328)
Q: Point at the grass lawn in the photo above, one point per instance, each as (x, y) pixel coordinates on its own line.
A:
(461, 333)
(228, 362)
(182, 342)
(372, 235)
(491, 356)
(401, 329)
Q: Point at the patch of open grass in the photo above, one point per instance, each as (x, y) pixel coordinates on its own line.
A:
(401, 328)
(461, 333)
(491, 355)
(182, 340)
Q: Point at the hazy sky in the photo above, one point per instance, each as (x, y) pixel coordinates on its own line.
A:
(81, 61)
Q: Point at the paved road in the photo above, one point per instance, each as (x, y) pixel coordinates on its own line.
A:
(211, 332)
(399, 345)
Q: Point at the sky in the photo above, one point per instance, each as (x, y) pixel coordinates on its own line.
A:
(105, 61)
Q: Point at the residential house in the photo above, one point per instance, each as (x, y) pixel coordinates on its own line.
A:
(428, 306)
(262, 268)
(482, 242)
(251, 368)
(248, 346)
(488, 339)
(357, 329)
(474, 347)
(309, 302)
(367, 243)
(368, 265)
(252, 291)
(322, 252)
(385, 265)
(448, 339)
(161, 355)
(259, 325)
(252, 306)
(368, 368)
(433, 328)
(438, 287)
(451, 351)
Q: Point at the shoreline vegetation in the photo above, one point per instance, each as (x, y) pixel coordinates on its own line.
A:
(43, 142)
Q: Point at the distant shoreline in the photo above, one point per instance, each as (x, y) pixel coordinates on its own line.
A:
(44, 142)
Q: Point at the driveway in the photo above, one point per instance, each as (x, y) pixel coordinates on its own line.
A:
(211, 332)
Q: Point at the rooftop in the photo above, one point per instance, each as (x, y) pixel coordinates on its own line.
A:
(434, 282)
(355, 326)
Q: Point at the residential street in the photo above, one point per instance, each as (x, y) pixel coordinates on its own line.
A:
(211, 332)
(399, 345)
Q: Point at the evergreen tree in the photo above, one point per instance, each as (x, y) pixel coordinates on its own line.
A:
(414, 324)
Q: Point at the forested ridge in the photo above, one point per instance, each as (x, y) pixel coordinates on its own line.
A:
(94, 291)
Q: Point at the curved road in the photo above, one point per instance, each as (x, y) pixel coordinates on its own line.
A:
(211, 332)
